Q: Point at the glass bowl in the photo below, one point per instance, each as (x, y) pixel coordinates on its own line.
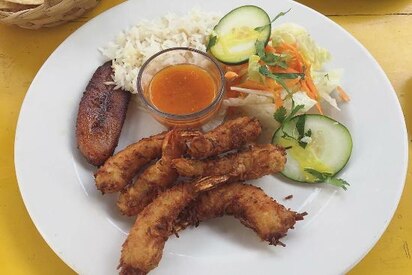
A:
(181, 56)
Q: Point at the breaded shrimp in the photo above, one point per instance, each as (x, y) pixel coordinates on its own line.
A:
(257, 161)
(120, 169)
(155, 179)
(247, 203)
(143, 248)
(230, 135)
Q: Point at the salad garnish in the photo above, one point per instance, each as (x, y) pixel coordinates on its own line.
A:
(283, 66)
(325, 177)
(259, 29)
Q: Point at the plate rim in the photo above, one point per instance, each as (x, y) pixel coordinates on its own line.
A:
(405, 145)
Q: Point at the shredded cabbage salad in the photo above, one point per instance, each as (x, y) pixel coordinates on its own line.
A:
(253, 91)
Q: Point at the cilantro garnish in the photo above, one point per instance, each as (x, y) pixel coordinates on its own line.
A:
(326, 177)
(212, 42)
(259, 29)
(281, 116)
(269, 58)
(300, 126)
(278, 77)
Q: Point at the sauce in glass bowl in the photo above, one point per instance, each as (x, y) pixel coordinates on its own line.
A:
(182, 89)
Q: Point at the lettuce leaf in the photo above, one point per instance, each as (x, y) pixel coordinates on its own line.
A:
(253, 69)
(294, 34)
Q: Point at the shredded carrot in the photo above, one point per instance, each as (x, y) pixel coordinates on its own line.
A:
(306, 88)
(295, 64)
(312, 87)
(278, 99)
(296, 61)
(342, 94)
(281, 70)
(292, 82)
(270, 49)
(230, 75)
(238, 69)
(319, 108)
(249, 84)
(272, 84)
(232, 94)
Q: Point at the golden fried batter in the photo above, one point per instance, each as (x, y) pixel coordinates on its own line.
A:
(120, 169)
(143, 248)
(230, 135)
(247, 203)
(155, 179)
(257, 161)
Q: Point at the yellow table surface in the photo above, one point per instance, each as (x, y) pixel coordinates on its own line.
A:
(384, 27)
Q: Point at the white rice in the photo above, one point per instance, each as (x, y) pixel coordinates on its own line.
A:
(133, 47)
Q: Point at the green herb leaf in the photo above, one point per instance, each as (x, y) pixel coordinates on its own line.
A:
(265, 71)
(327, 178)
(212, 42)
(300, 126)
(260, 48)
(259, 29)
(282, 83)
(320, 176)
(280, 14)
(269, 58)
(295, 110)
(287, 136)
(275, 60)
(284, 86)
(338, 182)
(290, 75)
(280, 114)
(281, 117)
(276, 76)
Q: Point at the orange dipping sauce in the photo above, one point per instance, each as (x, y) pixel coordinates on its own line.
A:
(182, 89)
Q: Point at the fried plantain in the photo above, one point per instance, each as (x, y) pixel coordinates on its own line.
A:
(100, 117)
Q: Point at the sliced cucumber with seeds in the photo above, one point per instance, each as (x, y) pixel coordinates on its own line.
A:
(327, 150)
(234, 37)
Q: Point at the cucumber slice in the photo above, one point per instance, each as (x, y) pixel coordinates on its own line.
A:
(328, 151)
(236, 34)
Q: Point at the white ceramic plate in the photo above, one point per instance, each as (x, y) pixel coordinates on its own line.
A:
(85, 229)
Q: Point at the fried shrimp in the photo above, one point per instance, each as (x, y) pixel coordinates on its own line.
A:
(257, 161)
(143, 248)
(249, 204)
(230, 135)
(120, 169)
(155, 179)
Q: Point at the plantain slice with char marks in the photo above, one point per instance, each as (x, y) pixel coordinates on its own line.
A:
(100, 118)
